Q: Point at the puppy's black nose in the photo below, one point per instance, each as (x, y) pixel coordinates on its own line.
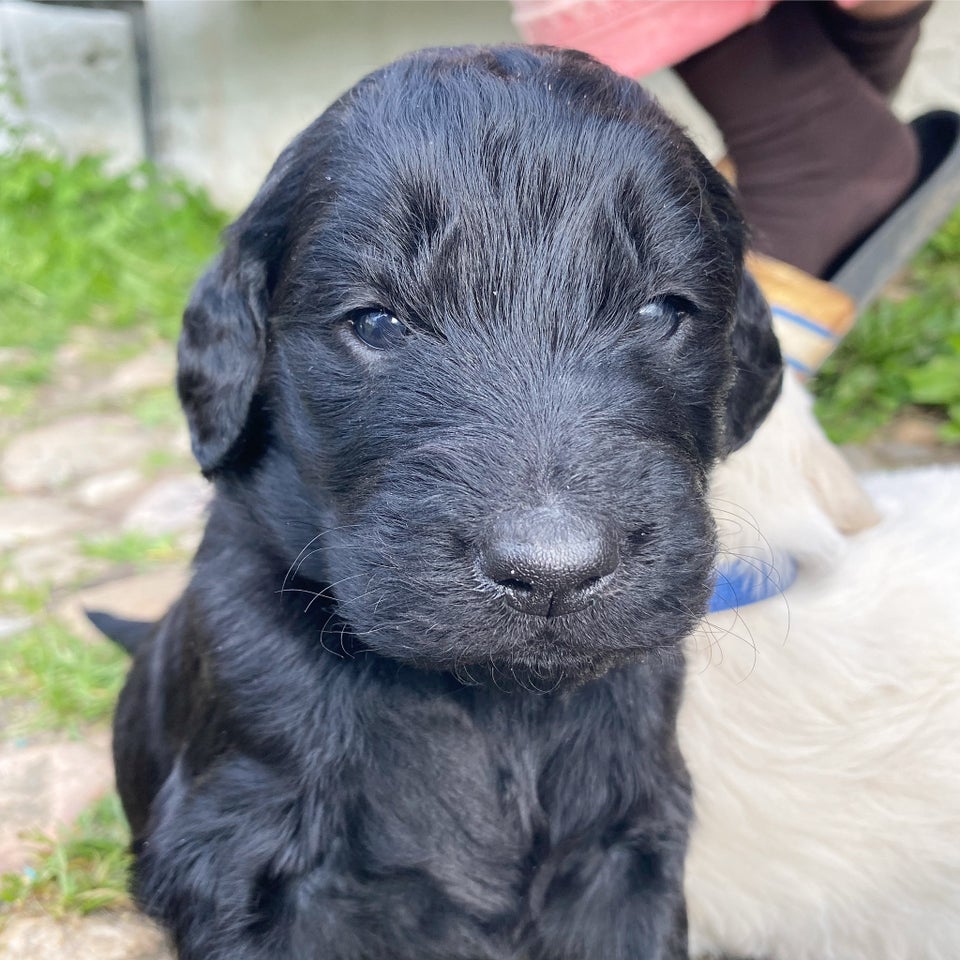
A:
(548, 561)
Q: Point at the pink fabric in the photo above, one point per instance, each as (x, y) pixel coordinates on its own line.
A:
(636, 37)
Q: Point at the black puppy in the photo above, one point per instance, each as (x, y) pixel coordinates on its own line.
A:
(459, 377)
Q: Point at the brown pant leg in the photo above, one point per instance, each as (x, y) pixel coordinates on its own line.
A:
(879, 49)
(820, 157)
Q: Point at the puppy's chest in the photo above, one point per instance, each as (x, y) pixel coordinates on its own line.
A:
(473, 802)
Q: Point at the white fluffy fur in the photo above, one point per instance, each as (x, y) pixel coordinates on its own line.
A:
(822, 728)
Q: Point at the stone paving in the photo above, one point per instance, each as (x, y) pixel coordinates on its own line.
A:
(80, 467)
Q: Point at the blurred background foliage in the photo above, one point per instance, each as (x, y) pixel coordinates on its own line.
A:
(82, 246)
(904, 351)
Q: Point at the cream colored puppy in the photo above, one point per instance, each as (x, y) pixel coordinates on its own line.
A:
(822, 727)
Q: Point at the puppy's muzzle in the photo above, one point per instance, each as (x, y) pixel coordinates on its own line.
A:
(548, 561)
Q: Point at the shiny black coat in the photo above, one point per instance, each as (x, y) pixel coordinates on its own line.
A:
(347, 741)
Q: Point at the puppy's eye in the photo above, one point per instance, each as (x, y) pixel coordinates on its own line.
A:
(666, 315)
(378, 329)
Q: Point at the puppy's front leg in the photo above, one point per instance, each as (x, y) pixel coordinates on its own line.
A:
(212, 863)
(619, 898)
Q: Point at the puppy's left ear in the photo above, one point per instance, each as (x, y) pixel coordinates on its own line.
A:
(758, 363)
(758, 370)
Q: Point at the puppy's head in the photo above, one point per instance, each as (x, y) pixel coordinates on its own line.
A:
(470, 355)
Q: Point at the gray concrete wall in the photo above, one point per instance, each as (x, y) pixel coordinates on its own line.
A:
(235, 80)
(76, 73)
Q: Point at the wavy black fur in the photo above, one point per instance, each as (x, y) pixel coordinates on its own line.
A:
(341, 742)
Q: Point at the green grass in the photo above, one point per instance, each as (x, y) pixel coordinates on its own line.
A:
(23, 598)
(903, 352)
(64, 682)
(158, 408)
(59, 681)
(140, 550)
(156, 461)
(83, 868)
(82, 246)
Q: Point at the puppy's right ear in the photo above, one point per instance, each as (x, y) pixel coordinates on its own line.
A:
(223, 341)
(220, 354)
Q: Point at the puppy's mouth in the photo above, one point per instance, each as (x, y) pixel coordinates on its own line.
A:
(545, 592)
(487, 639)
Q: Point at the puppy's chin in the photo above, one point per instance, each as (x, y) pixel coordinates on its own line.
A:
(546, 668)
